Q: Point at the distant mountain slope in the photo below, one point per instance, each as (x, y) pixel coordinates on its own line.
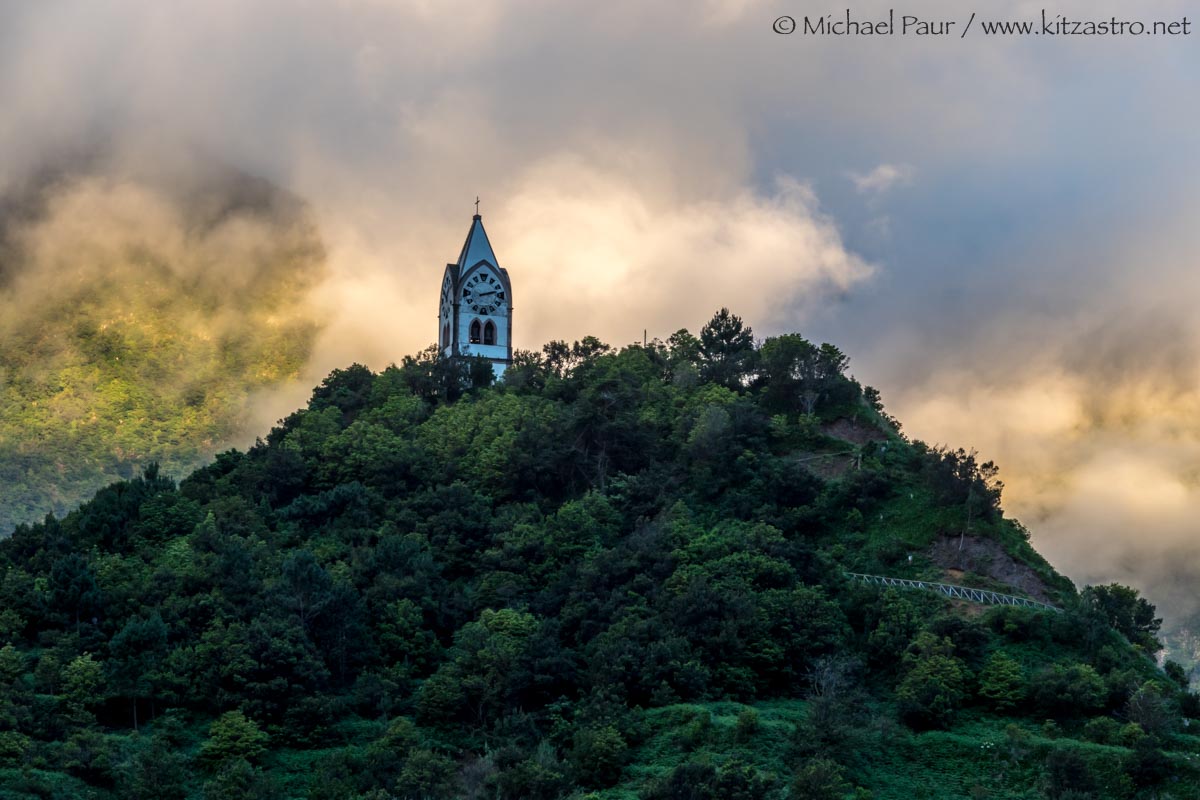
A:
(137, 313)
(617, 575)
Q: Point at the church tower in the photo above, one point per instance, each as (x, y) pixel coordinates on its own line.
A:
(475, 311)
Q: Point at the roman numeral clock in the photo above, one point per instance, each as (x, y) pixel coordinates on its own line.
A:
(475, 312)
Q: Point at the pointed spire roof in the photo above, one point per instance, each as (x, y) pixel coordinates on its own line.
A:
(477, 247)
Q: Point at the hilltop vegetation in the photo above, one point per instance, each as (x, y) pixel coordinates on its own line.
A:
(136, 321)
(617, 574)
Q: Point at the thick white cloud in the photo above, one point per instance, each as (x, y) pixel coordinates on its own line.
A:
(601, 249)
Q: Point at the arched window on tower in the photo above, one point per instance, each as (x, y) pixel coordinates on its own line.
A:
(446, 335)
(475, 331)
(489, 333)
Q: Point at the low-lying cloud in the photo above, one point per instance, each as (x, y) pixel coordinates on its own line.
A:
(1092, 416)
(138, 315)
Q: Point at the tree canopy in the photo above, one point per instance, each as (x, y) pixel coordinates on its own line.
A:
(619, 571)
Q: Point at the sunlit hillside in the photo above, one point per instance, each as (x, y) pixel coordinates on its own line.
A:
(136, 321)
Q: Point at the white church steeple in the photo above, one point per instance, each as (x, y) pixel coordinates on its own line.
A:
(475, 311)
(476, 248)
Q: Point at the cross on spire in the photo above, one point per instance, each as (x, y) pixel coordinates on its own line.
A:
(477, 205)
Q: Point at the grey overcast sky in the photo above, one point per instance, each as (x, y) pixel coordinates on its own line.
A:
(1000, 230)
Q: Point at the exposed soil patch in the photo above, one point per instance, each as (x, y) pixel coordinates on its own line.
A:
(968, 609)
(826, 467)
(986, 557)
(853, 431)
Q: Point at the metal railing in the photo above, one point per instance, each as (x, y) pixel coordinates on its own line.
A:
(984, 596)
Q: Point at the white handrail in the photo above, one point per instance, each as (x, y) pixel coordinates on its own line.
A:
(985, 596)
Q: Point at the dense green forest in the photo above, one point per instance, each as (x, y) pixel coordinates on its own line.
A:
(136, 320)
(615, 574)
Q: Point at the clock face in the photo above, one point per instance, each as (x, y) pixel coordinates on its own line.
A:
(447, 291)
(483, 293)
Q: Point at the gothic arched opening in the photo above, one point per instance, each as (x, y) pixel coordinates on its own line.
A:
(475, 332)
(489, 333)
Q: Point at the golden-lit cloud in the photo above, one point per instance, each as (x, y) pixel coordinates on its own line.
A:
(1100, 457)
(598, 252)
(606, 252)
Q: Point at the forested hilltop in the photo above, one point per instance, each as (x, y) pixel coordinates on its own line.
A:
(617, 574)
